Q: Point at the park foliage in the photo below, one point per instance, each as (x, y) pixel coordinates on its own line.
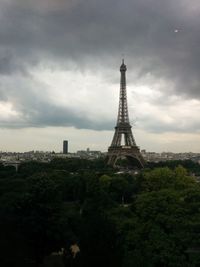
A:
(149, 219)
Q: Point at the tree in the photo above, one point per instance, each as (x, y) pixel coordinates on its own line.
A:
(163, 178)
(157, 234)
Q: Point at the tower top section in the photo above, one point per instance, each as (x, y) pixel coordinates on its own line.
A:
(123, 66)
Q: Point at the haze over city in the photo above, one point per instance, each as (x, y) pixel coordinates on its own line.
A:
(59, 68)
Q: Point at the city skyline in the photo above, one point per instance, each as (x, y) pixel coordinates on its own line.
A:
(59, 64)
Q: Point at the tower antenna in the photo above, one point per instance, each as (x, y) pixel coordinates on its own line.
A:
(123, 58)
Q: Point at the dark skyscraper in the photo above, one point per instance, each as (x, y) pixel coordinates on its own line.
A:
(123, 133)
(65, 147)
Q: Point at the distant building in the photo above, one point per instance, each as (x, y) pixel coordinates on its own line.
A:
(65, 147)
(89, 154)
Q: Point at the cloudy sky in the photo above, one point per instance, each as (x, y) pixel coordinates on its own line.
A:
(59, 73)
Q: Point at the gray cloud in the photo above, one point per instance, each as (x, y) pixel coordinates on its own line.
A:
(157, 37)
(34, 109)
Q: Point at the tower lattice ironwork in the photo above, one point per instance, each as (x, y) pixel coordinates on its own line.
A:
(123, 130)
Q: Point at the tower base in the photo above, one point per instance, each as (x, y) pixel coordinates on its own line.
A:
(132, 153)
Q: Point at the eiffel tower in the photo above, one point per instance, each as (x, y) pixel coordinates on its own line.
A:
(129, 150)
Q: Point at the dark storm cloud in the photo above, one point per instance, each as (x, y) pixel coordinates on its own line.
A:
(34, 109)
(50, 115)
(158, 37)
(158, 126)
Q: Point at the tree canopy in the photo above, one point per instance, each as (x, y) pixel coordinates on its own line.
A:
(120, 220)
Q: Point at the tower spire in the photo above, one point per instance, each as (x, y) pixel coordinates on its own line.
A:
(123, 128)
(123, 106)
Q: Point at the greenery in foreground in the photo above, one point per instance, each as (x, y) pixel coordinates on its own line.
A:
(120, 220)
